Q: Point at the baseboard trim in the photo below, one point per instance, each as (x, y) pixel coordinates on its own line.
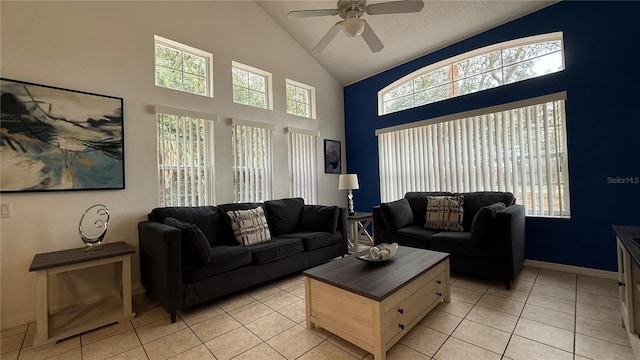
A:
(611, 275)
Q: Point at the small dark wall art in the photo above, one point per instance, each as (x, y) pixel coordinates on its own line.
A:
(332, 156)
(59, 139)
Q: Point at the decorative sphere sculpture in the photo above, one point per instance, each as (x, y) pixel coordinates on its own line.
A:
(97, 220)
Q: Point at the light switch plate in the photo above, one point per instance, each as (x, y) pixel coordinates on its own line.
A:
(5, 210)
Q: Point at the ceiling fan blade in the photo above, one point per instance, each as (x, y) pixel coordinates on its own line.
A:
(328, 37)
(395, 7)
(371, 38)
(311, 13)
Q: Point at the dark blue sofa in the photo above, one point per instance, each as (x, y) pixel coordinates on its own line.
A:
(302, 236)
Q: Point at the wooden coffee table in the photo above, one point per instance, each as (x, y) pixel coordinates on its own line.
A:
(373, 305)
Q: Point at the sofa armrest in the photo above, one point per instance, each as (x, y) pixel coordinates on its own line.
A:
(342, 226)
(378, 224)
(160, 264)
(510, 230)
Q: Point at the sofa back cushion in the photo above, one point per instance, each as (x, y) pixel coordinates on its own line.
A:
(397, 214)
(283, 215)
(483, 225)
(474, 201)
(225, 232)
(249, 226)
(206, 218)
(418, 203)
(320, 218)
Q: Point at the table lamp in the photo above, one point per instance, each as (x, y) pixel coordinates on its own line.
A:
(349, 182)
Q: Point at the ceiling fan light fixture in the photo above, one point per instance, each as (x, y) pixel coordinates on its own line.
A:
(353, 26)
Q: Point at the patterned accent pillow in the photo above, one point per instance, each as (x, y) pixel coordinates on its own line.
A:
(444, 213)
(249, 226)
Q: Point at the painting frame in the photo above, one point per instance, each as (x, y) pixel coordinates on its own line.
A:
(58, 139)
(332, 151)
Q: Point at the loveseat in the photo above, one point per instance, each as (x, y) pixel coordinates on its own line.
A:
(485, 237)
(210, 251)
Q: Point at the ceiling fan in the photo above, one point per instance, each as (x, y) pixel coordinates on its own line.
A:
(353, 24)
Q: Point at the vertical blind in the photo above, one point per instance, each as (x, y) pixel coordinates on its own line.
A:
(518, 147)
(185, 160)
(303, 163)
(252, 163)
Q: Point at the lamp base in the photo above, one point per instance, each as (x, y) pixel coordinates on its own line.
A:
(350, 207)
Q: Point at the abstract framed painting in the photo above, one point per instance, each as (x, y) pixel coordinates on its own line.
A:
(59, 139)
(332, 157)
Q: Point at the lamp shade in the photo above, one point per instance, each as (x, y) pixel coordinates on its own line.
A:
(348, 182)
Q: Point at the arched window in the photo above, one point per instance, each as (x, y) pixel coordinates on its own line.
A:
(477, 70)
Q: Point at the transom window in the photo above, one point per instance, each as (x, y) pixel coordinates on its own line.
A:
(251, 86)
(481, 69)
(300, 99)
(184, 68)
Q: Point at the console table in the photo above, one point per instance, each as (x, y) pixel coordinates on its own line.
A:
(357, 226)
(629, 281)
(74, 320)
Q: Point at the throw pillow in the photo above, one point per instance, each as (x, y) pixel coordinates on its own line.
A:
(194, 241)
(444, 213)
(397, 214)
(249, 226)
(320, 218)
(283, 215)
(482, 226)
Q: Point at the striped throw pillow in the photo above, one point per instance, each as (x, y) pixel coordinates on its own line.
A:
(249, 226)
(444, 213)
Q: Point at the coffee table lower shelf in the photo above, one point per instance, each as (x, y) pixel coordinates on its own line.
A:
(375, 326)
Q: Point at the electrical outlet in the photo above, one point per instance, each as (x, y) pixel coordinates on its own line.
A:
(5, 210)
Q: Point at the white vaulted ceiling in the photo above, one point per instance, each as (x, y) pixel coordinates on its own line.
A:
(405, 36)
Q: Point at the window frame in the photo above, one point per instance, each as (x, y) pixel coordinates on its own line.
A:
(159, 40)
(311, 95)
(555, 36)
(253, 70)
(299, 186)
(267, 171)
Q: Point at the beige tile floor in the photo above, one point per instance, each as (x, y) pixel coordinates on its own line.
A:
(547, 315)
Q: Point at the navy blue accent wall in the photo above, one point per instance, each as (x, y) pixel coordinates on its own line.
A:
(602, 80)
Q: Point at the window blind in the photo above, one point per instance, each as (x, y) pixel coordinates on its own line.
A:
(252, 162)
(520, 148)
(303, 164)
(185, 160)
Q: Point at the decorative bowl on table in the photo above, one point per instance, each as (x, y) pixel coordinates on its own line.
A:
(380, 253)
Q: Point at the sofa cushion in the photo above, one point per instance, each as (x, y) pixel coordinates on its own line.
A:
(249, 226)
(277, 248)
(413, 236)
(193, 242)
(460, 243)
(315, 239)
(473, 201)
(283, 215)
(397, 214)
(223, 258)
(483, 226)
(206, 218)
(320, 218)
(445, 213)
(418, 203)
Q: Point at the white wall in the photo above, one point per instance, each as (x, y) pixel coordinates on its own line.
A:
(107, 48)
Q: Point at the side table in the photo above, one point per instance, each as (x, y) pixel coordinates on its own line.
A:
(78, 319)
(357, 226)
